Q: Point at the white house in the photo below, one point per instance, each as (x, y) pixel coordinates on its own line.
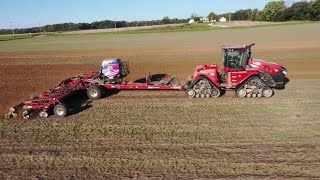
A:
(223, 19)
(204, 19)
(191, 21)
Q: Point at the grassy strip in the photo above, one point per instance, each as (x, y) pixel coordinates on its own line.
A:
(276, 25)
(17, 36)
(191, 28)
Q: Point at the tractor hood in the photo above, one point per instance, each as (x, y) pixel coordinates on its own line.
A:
(206, 67)
(267, 67)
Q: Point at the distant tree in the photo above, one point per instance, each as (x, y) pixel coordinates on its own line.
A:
(315, 10)
(260, 16)
(212, 16)
(84, 26)
(253, 16)
(94, 25)
(273, 9)
(196, 19)
(166, 20)
(298, 11)
(242, 14)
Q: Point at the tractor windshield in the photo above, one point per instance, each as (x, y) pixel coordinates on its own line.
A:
(233, 58)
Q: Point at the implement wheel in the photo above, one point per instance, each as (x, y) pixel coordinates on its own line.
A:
(191, 93)
(94, 92)
(60, 110)
(43, 114)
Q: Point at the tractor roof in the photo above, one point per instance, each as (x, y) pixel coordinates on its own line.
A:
(111, 59)
(241, 47)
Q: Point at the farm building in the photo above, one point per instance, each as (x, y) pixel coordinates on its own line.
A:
(223, 19)
(191, 21)
(204, 19)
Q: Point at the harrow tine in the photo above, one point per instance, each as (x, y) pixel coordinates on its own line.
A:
(10, 114)
(25, 114)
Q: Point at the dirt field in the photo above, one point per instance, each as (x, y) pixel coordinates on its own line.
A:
(163, 134)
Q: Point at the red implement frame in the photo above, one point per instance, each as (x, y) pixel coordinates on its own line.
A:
(69, 86)
(146, 86)
(134, 86)
(63, 90)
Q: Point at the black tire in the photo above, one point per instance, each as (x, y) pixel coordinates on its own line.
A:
(215, 92)
(94, 92)
(60, 110)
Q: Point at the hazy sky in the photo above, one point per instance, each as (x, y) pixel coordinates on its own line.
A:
(30, 13)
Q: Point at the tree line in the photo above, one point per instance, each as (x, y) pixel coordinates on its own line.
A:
(277, 11)
(94, 25)
(273, 11)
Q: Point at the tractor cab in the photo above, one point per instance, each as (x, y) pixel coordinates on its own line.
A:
(235, 58)
(235, 61)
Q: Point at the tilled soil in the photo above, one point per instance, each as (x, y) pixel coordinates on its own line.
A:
(136, 134)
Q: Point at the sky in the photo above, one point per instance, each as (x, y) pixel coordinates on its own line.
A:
(32, 13)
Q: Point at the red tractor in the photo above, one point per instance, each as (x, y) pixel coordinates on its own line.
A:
(246, 76)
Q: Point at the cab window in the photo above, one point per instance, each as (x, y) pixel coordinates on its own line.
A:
(233, 59)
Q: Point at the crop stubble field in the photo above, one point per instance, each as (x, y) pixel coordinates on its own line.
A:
(163, 134)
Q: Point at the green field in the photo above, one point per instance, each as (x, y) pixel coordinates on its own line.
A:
(169, 29)
(11, 37)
